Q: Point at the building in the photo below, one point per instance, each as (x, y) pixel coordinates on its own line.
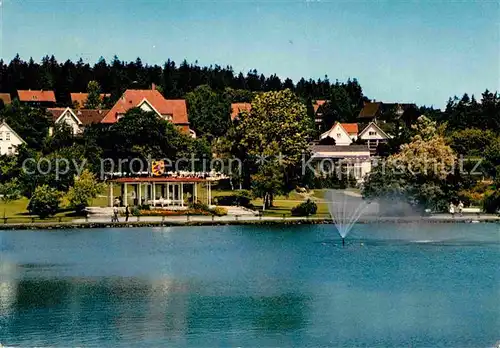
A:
(5, 98)
(352, 160)
(373, 135)
(343, 133)
(237, 108)
(9, 140)
(150, 100)
(372, 111)
(78, 100)
(318, 112)
(37, 98)
(78, 119)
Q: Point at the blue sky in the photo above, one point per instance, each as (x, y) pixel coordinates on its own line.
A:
(406, 51)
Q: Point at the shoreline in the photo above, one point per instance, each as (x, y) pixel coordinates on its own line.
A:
(241, 221)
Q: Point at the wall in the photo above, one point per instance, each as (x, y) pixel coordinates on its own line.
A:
(5, 144)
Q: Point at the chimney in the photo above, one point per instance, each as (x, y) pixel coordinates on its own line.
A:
(153, 86)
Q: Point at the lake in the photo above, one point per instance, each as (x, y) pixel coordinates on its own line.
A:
(411, 285)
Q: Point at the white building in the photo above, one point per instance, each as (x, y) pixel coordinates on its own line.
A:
(9, 140)
(344, 134)
(353, 160)
(373, 135)
(76, 120)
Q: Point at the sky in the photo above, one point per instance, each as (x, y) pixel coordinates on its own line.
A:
(400, 51)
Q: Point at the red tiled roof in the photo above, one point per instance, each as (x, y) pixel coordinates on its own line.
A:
(158, 179)
(86, 116)
(36, 96)
(81, 98)
(236, 108)
(369, 110)
(133, 97)
(55, 112)
(317, 104)
(5, 97)
(351, 128)
(89, 116)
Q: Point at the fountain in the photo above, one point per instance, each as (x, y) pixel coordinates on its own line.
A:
(345, 211)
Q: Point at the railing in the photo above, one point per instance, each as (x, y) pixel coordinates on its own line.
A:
(269, 216)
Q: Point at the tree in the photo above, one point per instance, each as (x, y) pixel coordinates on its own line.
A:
(93, 95)
(32, 124)
(209, 112)
(267, 183)
(61, 137)
(276, 126)
(9, 192)
(471, 141)
(141, 134)
(327, 141)
(418, 173)
(85, 188)
(44, 202)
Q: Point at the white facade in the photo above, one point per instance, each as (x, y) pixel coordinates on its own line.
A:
(9, 140)
(341, 136)
(373, 136)
(355, 159)
(71, 120)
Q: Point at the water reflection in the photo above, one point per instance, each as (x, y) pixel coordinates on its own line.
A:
(249, 287)
(136, 310)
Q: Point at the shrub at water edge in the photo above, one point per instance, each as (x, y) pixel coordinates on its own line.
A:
(44, 202)
(305, 209)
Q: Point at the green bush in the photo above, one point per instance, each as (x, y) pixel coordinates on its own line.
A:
(45, 201)
(238, 198)
(219, 211)
(352, 182)
(136, 211)
(305, 209)
(198, 205)
(145, 207)
(491, 203)
(85, 188)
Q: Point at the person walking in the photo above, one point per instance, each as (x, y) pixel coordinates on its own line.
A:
(127, 213)
(115, 214)
(452, 209)
(461, 208)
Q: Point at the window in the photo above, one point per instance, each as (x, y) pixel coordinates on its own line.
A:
(339, 135)
(1, 135)
(167, 117)
(372, 133)
(7, 135)
(9, 150)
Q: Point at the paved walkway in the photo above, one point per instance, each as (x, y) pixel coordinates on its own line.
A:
(250, 218)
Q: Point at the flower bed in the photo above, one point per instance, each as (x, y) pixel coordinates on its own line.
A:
(160, 212)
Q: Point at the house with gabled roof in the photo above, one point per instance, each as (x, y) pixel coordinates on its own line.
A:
(78, 100)
(372, 111)
(237, 108)
(5, 98)
(150, 100)
(373, 135)
(37, 98)
(343, 133)
(318, 112)
(352, 160)
(9, 140)
(78, 119)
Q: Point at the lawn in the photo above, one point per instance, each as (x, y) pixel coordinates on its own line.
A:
(16, 211)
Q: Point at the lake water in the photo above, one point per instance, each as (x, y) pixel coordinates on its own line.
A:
(404, 285)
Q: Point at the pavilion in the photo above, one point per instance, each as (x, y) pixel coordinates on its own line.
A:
(165, 191)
